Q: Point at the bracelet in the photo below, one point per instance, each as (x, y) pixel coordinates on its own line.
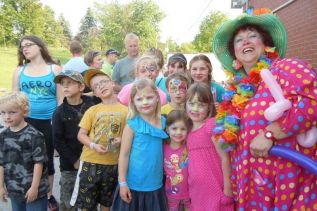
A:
(92, 145)
(121, 184)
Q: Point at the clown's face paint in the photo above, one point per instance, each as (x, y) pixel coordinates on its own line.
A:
(146, 101)
(177, 131)
(177, 90)
(196, 110)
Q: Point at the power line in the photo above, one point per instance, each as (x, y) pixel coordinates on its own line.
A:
(197, 19)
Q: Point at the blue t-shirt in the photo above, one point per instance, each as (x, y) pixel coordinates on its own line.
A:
(41, 92)
(145, 169)
(218, 90)
(76, 64)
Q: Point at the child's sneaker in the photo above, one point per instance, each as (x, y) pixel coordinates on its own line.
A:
(52, 204)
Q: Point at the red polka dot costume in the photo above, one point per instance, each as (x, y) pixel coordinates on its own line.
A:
(274, 183)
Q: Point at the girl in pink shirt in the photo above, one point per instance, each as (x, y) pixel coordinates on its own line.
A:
(176, 161)
(209, 166)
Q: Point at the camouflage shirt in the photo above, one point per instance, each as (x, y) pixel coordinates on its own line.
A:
(19, 151)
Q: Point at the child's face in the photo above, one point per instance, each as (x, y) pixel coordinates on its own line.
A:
(177, 90)
(176, 67)
(70, 87)
(196, 110)
(97, 62)
(102, 86)
(177, 131)
(199, 71)
(147, 69)
(13, 116)
(146, 101)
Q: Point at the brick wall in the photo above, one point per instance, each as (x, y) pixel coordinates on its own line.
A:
(300, 21)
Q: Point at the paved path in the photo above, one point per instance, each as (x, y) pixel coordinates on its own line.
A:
(7, 206)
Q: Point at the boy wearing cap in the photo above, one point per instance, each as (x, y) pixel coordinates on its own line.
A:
(65, 128)
(100, 131)
(111, 58)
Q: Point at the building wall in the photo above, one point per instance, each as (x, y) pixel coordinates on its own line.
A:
(300, 21)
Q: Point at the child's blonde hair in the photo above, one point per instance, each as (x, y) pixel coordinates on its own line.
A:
(138, 86)
(15, 99)
(204, 95)
(142, 58)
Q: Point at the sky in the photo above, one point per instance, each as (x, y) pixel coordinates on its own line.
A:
(181, 22)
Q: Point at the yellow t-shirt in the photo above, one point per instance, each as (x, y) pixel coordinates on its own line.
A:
(103, 121)
(166, 109)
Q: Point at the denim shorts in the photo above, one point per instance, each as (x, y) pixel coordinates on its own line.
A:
(37, 205)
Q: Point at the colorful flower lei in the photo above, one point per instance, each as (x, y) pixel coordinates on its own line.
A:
(242, 88)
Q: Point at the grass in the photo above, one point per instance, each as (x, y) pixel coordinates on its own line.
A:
(9, 61)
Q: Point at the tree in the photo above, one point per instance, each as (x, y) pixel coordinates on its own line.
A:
(139, 16)
(207, 29)
(25, 17)
(88, 25)
(66, 33)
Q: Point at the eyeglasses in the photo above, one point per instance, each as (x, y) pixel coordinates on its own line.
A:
(100, 84)
(27, 45)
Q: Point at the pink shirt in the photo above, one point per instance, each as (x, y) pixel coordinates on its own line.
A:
(205, 174)
(176, 170)
(124, 95)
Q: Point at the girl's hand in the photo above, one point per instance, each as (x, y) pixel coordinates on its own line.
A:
(76, 164)
(260, 145)
(100, 149)
(3, 195)
(31, 194)
(125, 194)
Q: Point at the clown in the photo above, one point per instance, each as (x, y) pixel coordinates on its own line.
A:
(246, 46)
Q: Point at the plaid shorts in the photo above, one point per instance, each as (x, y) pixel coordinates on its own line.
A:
(97, 184)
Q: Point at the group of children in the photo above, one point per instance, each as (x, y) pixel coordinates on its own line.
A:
(116, 156)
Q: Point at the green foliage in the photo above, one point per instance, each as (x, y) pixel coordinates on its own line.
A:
(139, 16)
(88, 31)
(66, 35)
(207, 29)
(25, 17)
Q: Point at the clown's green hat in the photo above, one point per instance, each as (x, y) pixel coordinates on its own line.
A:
(269, 22)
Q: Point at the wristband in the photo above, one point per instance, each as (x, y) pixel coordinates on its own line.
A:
(92, 145)
(121, 184)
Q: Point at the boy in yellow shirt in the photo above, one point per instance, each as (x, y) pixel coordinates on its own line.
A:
(100, 132)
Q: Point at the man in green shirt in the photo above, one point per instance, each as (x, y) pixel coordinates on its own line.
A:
(111, 58)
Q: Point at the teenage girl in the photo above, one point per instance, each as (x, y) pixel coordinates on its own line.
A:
(176, 161)
(209, 166)
(200, 70)
(141, 153)
(35, 76)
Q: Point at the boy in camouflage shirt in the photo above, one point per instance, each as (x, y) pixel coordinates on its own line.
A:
(23, 171)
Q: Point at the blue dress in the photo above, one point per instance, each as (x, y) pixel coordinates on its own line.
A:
(145, 168)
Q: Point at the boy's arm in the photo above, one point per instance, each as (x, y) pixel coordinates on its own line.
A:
(31, 194)
(226, 169)
(85, 140)
(3, 192)
(126, 142)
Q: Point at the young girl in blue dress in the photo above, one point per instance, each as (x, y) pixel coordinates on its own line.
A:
(141, 154)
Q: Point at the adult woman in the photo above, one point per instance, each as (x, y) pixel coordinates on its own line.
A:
(260, 181)
(35, 76)
(93, 59)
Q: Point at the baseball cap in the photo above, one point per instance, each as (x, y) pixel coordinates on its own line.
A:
(112, 51)
(76, 76)
(91, 72)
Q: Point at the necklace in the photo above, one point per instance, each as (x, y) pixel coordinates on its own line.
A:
(242, 88)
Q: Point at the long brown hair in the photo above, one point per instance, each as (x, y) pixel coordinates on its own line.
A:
(206, 60)
(43, 49)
